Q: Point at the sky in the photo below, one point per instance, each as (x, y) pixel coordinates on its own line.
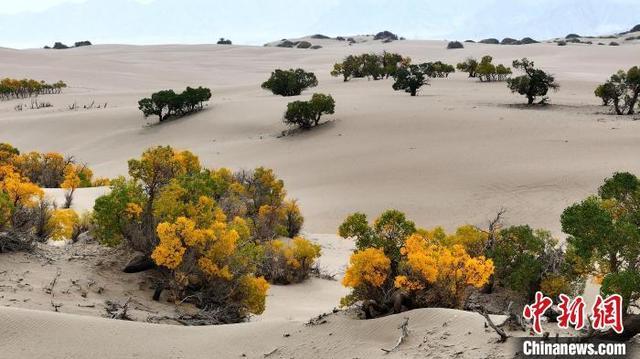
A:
(35, 23)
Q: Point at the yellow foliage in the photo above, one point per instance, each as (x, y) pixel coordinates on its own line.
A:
(254, 293)
(101, 182)
(170, 250)
(19, 189)
(554, 285)
(450, 269)
(189, 163)
(367, 267)
(61, 224)
(133, 210)
(71, 178)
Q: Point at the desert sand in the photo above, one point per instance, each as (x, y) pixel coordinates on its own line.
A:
(455, 154)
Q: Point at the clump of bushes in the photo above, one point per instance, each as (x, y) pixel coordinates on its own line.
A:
(307, 114)
(82, 43)
(562, 43)
(487, 72)
(223, 41)
(437, 69)
(26, 216)
(469, 65)
(613, 43)
(621, 91)
(167, 104)
(210, 232)
(289, 261)
(14, 88)
(397, 267)
(534, 83)
(373, 66)
(454, 45)
(290, 82)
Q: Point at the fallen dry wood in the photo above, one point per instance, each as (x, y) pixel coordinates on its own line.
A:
(403, 335)
(49, 289)
(266, 355)
(501, 333)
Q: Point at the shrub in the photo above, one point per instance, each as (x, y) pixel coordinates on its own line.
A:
(166, 103)
(469, 65)
(290, 82)
(572, 36)
(621, 90)
(635, 28)
(307, 114)
(82, 43)
(436, 274)
(224, 41)
(490, 41)
(410, 79)
(304, 45)
(534, 83)
(603, 232)
(62, 223)
(385, 35)
(429, 268)
(613, 43)
(60, 46)
(520, 256)
(487, 72)
(437, 69)
(289, 262)
(562, 43)
(454, 45)
(528, 40)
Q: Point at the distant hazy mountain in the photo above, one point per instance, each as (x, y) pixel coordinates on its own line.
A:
(258, 21)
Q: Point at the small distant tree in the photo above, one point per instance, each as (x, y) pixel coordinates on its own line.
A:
(410, 79)
(167, 103)
(622, 90)
(469, 65)
(437, 69)
(290, 82)
(454, 45)
(306, 114)
(487, 71)
(224, 41)
(534, 83)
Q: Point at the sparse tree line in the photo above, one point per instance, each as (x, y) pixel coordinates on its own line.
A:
(397, 266)
(167, 104)
(16, 89)
(484, 70)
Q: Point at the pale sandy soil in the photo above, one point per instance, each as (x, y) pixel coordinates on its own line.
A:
(453, 155)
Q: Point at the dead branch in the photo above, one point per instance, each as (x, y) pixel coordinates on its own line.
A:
(403, 335)
(266, 355)
(117, 311)
(49, 289)
(501, 333)
(55, 305)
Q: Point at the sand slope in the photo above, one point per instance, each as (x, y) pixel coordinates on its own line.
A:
(434, 333)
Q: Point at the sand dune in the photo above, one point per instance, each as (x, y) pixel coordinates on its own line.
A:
(454, 154)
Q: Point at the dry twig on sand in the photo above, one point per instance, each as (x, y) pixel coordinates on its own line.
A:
(117, 311)
(266, 355)
(403, 335)
(501, 333)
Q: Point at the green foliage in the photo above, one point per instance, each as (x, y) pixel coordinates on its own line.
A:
(622, 90)
(604, 232)
(437, 69)
(290, 82)
(410, 79)
(469, 65)
(167, 103)
(370, 66)
(534, 83)
(387, 233)
(487, 71)
(306, 114)
(112, 213)
(520, 256)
